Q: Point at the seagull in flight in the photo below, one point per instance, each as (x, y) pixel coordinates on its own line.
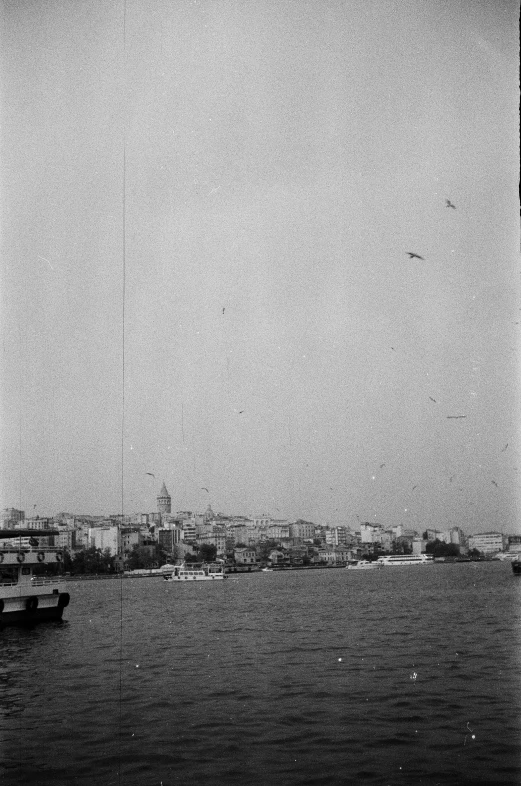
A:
(448, 203)
(150, 473)
(412, 255)
(204, 489)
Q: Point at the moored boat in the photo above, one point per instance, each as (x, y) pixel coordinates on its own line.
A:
(27, 594)
(405, 559)
(196, 572)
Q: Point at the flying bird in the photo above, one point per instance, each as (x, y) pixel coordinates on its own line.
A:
(506, 446)
(494, 482)
(432, 399)
(204, 489)
(455, 417)
(382, 465)
(412, 255)
(150, 473)
(448, 203)
(414, 487)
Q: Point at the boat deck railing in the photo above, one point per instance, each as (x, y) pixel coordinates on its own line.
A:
(29, 549)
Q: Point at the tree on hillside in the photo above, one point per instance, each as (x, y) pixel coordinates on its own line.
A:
(142, 557)
(439, 548)
(265, 548)
(92, 560)
(207, 552)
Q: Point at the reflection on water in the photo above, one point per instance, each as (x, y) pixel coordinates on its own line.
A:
(406, 675)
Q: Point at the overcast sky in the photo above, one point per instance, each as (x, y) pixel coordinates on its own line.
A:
(280, 348)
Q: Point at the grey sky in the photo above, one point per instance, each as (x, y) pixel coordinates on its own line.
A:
(281, 159)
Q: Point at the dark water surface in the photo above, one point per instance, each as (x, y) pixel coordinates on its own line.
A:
(401, 676)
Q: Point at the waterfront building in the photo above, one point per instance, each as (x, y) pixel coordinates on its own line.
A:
(216, 539)
(263, 520)
(188, 530)
(371, 533)
(337, 536)
(10, 517)
(327, 555)
(302, 529)
(105, 538)
(486, 542)
(128, 539)
(435, 534)
(456, 536)
(244, 556)
(169, 538)
(514, 543)
(66, 539)
(342, 554)
(164, 501)
(36, 523)
(278, 530)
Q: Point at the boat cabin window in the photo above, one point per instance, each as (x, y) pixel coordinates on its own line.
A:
(8, 574)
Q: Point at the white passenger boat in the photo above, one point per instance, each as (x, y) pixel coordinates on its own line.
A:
(406, 559)
(364, 564)
(28, 594)
(267, 570)
(196, 572)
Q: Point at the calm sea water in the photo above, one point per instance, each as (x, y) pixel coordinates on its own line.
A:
(400, 676)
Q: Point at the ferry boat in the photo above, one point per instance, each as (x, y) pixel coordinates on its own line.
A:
(364, 564)
(195, 572)
(406, 559)
(28, 596)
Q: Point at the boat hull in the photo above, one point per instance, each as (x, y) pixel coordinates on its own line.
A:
(24, 617)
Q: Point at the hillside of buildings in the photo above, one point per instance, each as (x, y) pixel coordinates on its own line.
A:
(100, 544)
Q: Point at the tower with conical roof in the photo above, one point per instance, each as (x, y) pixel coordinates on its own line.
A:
(164, 500)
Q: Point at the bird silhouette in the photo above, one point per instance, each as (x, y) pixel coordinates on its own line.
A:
(494, 482)
(150, 473)
(448, 203)
(432, 399)
(412, 255)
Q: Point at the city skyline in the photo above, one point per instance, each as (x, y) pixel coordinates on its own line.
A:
(267, 253)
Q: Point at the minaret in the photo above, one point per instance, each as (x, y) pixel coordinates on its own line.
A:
(164, 501)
